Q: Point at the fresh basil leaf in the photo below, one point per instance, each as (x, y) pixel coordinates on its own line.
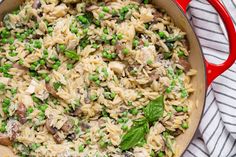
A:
(133, 137)
(142, 122)
(155, 109)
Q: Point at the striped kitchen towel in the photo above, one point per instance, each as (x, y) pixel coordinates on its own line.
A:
(217, 131)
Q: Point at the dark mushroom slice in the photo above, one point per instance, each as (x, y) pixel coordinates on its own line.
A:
(5, 140)
(77, 112)
(118, 47)
(157, 15)
(84, 126)
(71, 136)
(138, 1)
(21, 112)
(18, 66)
(185, 43)
(58, 139)
(50, 129)
(14, 130)
(91, 7)
(36, 4)
(67, 126)
(51, 90)
(185, 64)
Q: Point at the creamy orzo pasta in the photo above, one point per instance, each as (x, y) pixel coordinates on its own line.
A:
(93, 78)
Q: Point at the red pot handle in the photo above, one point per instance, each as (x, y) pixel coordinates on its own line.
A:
(214, 70)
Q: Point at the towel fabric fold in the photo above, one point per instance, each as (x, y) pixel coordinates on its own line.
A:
(217, 131)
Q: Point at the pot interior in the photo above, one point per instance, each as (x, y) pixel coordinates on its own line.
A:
(196, 59)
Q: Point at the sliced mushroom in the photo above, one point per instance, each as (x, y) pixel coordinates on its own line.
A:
(51, 90)
(157, 15)
(51, 130)
(21, 112)
(14, 130)
(77, 112)
(185, 64)
(138, 1)
(118, 47)
(84, 126)
(185, 43)
(58, 139)
(18, 66)
(67, 126)
(91, 8)
(71, 136)
(36, 4)
(5, 140)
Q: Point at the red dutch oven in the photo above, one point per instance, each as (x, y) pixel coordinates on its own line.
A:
(207, 72)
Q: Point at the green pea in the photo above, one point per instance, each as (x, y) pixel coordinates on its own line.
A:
(3, 127)
(184, 125)
(2, 86)
(37, 44)
(185, 109)
(179, 108)
(82, 19)
(93, 97)
(43, 107)
(70, 66)
(74, 30)
(94, 77)
(106, 9)
(42, 62)
(33, 67)
(5, 109)
(81, 148)
(6, 102)
(113, 41)
(125, 51)
(101, 15)
(184, 93)
(180, 53)
(124, 127)
(160, 154)
(162, 34)
(114, 12)
(29, 110)
(119, 36)
(125, 114)
(4, 40)
(102, 144)
(13, 91)
(168, 90)
(47, 79)
(97, 82)
(135, 43)
(149, 62)
(134, 111)
(152, 154)
(105, 30)
(35, 146)
(120, 120)
(55, 66)
(145, 1)
(11, 40)
(57, 85)
(50, 30)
